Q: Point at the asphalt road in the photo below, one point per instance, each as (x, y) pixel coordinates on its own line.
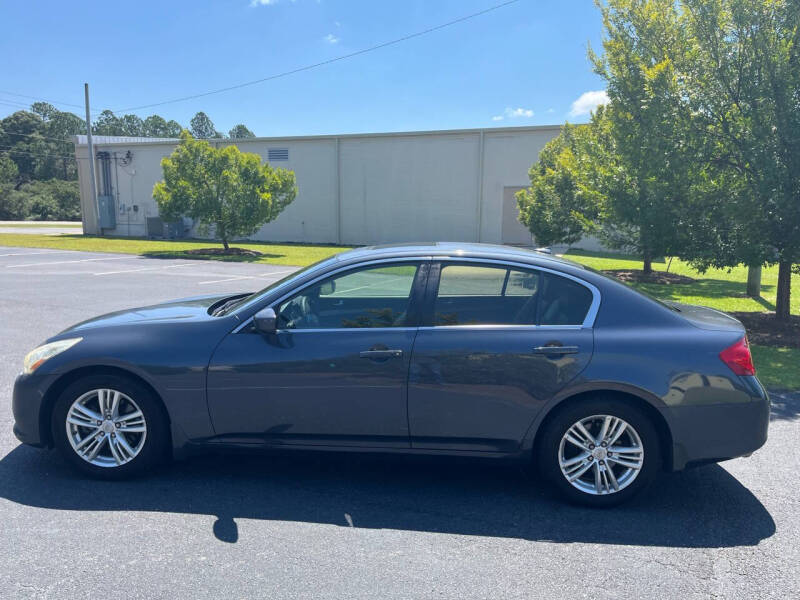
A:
(356, 527)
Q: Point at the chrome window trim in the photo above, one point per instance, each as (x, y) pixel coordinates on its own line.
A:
(588, 320)
(327, 274)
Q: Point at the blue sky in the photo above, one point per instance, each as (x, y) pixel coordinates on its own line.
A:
(524, 64)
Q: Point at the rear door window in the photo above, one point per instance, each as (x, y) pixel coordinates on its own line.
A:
(563, 301)
(486, 295)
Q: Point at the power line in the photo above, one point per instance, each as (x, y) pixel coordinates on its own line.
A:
(324, 62)
(43, 99)
(10, 150)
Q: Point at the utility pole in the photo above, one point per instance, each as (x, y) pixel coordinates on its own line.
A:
(92, 179)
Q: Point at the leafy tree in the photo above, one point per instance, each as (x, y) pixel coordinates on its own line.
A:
(558, 207)
(108, 124)
(8, 170)
(156, 126)
(744, 89)
(202, 128)
(643, 50)
(240, 132)
(223, 187)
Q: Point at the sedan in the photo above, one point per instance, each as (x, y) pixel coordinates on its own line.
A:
(456, 349)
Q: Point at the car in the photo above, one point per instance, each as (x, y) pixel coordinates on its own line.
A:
(443, 348)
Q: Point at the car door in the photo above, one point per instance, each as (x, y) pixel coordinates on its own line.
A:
(498, 341)
(334, 373)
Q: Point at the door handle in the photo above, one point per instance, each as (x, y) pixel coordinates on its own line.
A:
(380, 354)
(553, 350)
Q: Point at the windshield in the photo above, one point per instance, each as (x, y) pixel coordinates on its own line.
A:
(246, 301)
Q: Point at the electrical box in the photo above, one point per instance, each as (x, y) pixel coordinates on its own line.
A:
(108, 215)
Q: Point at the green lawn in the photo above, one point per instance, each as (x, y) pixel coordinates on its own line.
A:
(276, 254)
(718, 288)
(777, 368)
(34, 224)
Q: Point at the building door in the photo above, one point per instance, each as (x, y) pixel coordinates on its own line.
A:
(513, 231)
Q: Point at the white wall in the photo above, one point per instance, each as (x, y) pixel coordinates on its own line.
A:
(362, 189)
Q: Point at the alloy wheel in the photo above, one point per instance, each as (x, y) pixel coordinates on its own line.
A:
(601, 454)
(106, 428)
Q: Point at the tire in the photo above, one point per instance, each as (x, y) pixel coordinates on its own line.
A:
(638, 438)
(139, 442)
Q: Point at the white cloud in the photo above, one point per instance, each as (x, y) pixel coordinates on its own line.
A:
(331, 39)
(551, 110)
(497, 118)
(587, 102)
(254, 3)
(513, 113)
(337, 23)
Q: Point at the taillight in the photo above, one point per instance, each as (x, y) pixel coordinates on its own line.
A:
(738, 358)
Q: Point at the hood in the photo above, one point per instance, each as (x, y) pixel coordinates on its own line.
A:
(185, 309)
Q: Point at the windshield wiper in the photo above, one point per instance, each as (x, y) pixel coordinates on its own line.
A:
(228, 304)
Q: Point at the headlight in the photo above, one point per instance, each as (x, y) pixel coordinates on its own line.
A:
(37, 356)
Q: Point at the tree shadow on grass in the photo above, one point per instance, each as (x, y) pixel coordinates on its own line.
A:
(183, 255)
(710, 288)
(784, 406)
(701, 508)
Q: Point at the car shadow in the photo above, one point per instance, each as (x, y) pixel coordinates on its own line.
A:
(700, 508)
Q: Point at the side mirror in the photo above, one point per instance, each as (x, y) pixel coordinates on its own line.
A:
(327, 288)
(265, 321)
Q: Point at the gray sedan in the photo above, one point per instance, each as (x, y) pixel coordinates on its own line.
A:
(457, 349)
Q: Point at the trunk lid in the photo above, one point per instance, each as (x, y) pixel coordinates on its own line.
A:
(708, 318)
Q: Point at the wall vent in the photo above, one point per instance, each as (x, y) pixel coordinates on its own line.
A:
(277, 154)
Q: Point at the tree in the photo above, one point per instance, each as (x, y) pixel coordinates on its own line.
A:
(223, 187)
(202, 128)
(643, 50)
(156, 126)
(8, 170)
(240, 132)
(744, 88)
(558, 207)
(108, 124)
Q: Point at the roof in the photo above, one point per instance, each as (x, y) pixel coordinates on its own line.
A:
(80, 140)
(454, 249)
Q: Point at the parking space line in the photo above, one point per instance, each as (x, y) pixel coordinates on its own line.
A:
(64, 262)
(37, 253)
(145, 269)
(240, 277)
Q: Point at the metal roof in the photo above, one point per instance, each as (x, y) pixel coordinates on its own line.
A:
(80, 140)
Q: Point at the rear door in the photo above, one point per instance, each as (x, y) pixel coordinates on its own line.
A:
(497, 342)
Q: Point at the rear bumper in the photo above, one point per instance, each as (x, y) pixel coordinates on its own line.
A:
(717, 432)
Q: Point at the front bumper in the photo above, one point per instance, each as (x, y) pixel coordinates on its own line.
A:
(26, 405)
(716, 432)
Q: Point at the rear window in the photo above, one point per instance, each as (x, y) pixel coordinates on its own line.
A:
(564, 301)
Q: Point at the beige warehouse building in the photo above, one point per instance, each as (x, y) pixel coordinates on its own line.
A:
(455, 185)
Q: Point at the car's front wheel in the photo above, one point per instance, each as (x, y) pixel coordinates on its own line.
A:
(600, 451)
(109, 426)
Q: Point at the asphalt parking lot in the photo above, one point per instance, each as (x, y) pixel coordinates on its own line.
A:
(350, 526)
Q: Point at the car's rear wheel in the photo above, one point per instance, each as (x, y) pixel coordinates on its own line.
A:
(600, 451)
(109, 426)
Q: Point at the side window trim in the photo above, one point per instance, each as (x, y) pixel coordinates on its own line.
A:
(433, 289)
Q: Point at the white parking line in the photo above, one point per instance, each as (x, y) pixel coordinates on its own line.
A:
(145, 269)
(35, 253)
(64, 262)
(240, 277)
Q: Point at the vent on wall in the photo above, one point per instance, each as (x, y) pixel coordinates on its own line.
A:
(277, 154)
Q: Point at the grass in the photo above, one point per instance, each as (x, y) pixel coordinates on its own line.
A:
(276, 254)
(27, 224)
(777, 368)
(723, 289)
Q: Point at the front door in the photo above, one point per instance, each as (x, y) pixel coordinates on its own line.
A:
(335, 373)
(500, 342)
